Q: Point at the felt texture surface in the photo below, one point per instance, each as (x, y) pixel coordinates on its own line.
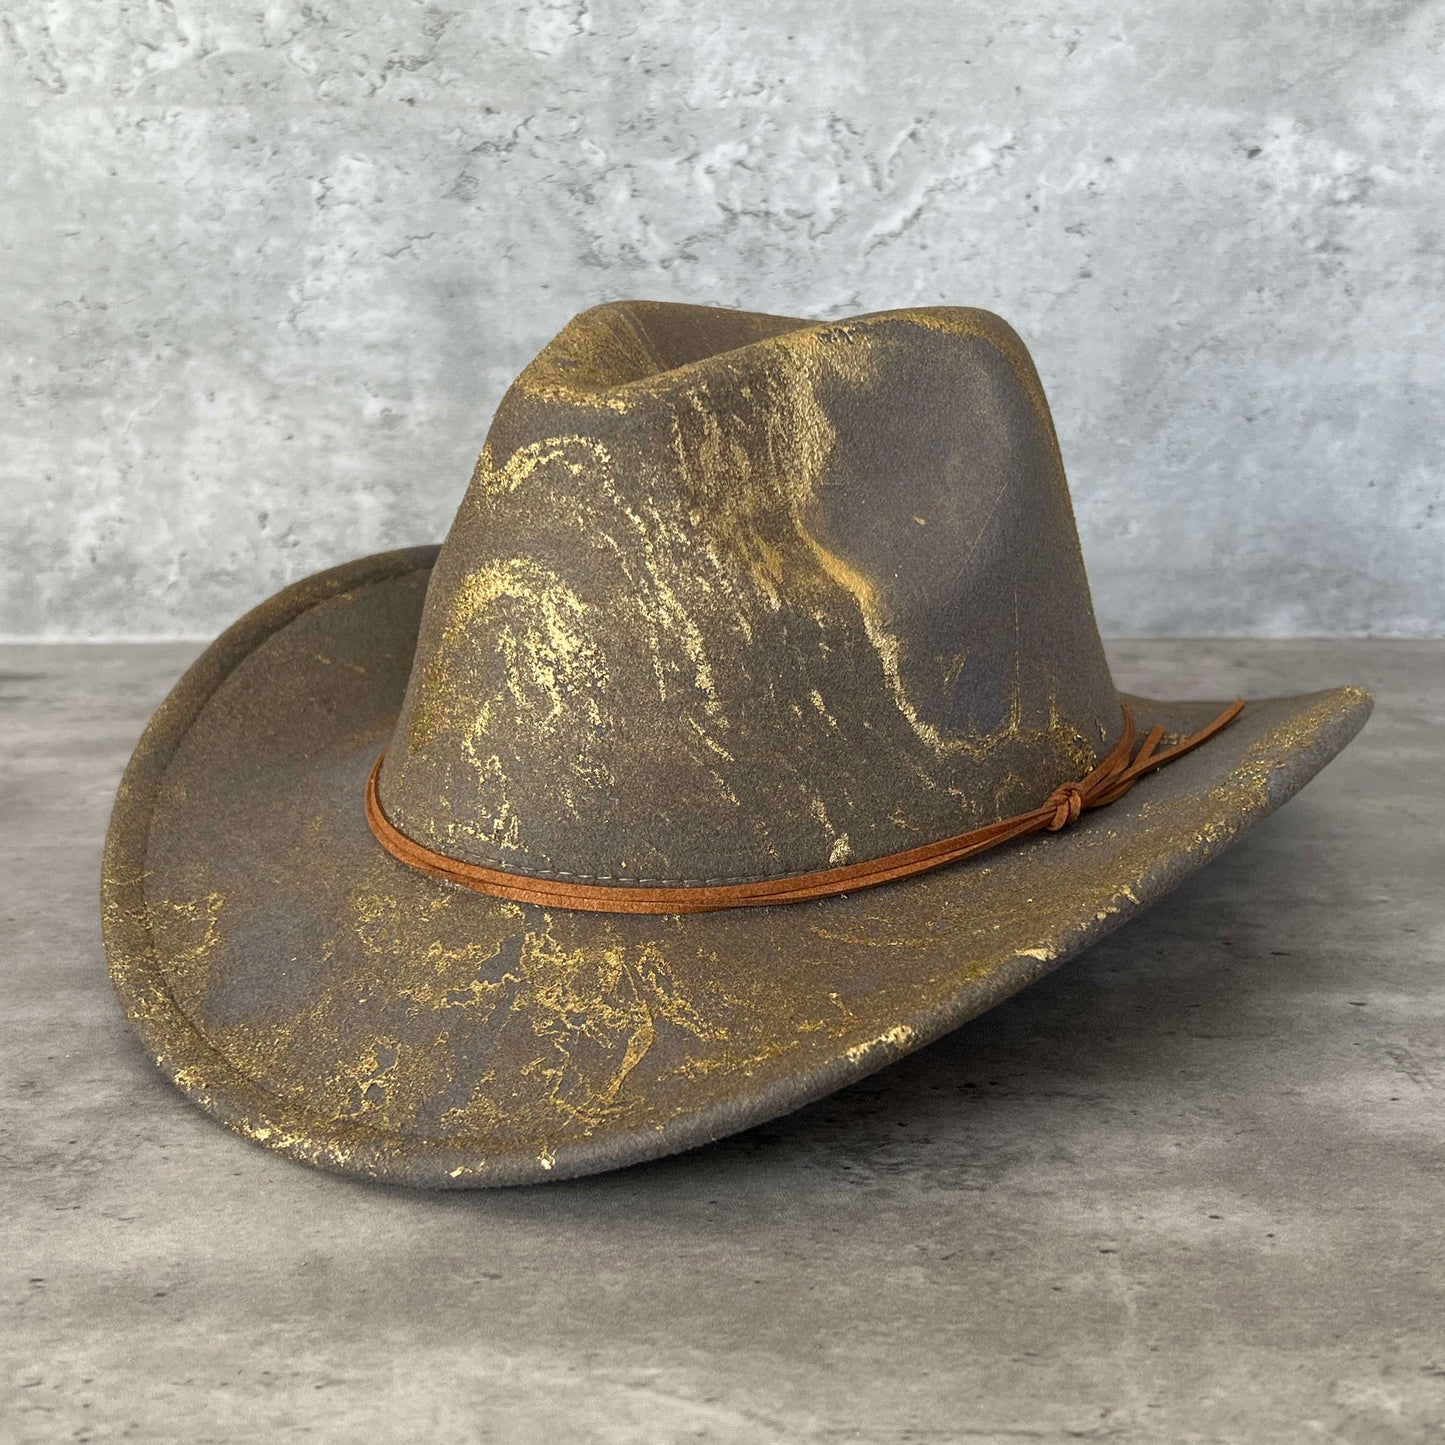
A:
(321, 999)
(736, 596)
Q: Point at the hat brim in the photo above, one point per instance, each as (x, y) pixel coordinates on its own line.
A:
(319, 997)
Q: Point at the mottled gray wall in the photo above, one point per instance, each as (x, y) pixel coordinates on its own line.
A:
(267, 268)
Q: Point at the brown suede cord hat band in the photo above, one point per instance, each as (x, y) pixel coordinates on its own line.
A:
(1110, 780)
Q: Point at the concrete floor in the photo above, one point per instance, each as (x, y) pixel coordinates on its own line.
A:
(1191, 1187)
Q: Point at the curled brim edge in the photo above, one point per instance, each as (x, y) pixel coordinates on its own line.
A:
(1279, 746)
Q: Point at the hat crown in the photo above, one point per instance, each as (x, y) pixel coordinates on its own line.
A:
(733, 596)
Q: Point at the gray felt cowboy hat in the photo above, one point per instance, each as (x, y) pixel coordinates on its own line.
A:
(749, 730)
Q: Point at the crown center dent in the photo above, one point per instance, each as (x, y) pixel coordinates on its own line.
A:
(814, 600)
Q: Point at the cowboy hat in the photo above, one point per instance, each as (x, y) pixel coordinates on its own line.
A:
(749, 730)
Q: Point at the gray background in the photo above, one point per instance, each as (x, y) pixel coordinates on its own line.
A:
(1186, 1190)
(266, 270)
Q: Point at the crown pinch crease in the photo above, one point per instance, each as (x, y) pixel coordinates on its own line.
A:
(1105, 784)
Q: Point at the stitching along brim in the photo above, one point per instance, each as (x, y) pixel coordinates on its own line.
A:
(324, 1000)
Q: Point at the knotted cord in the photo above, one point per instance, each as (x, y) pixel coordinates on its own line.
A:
(1109, 781)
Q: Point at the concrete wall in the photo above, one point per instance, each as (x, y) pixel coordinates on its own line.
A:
(267, 268)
